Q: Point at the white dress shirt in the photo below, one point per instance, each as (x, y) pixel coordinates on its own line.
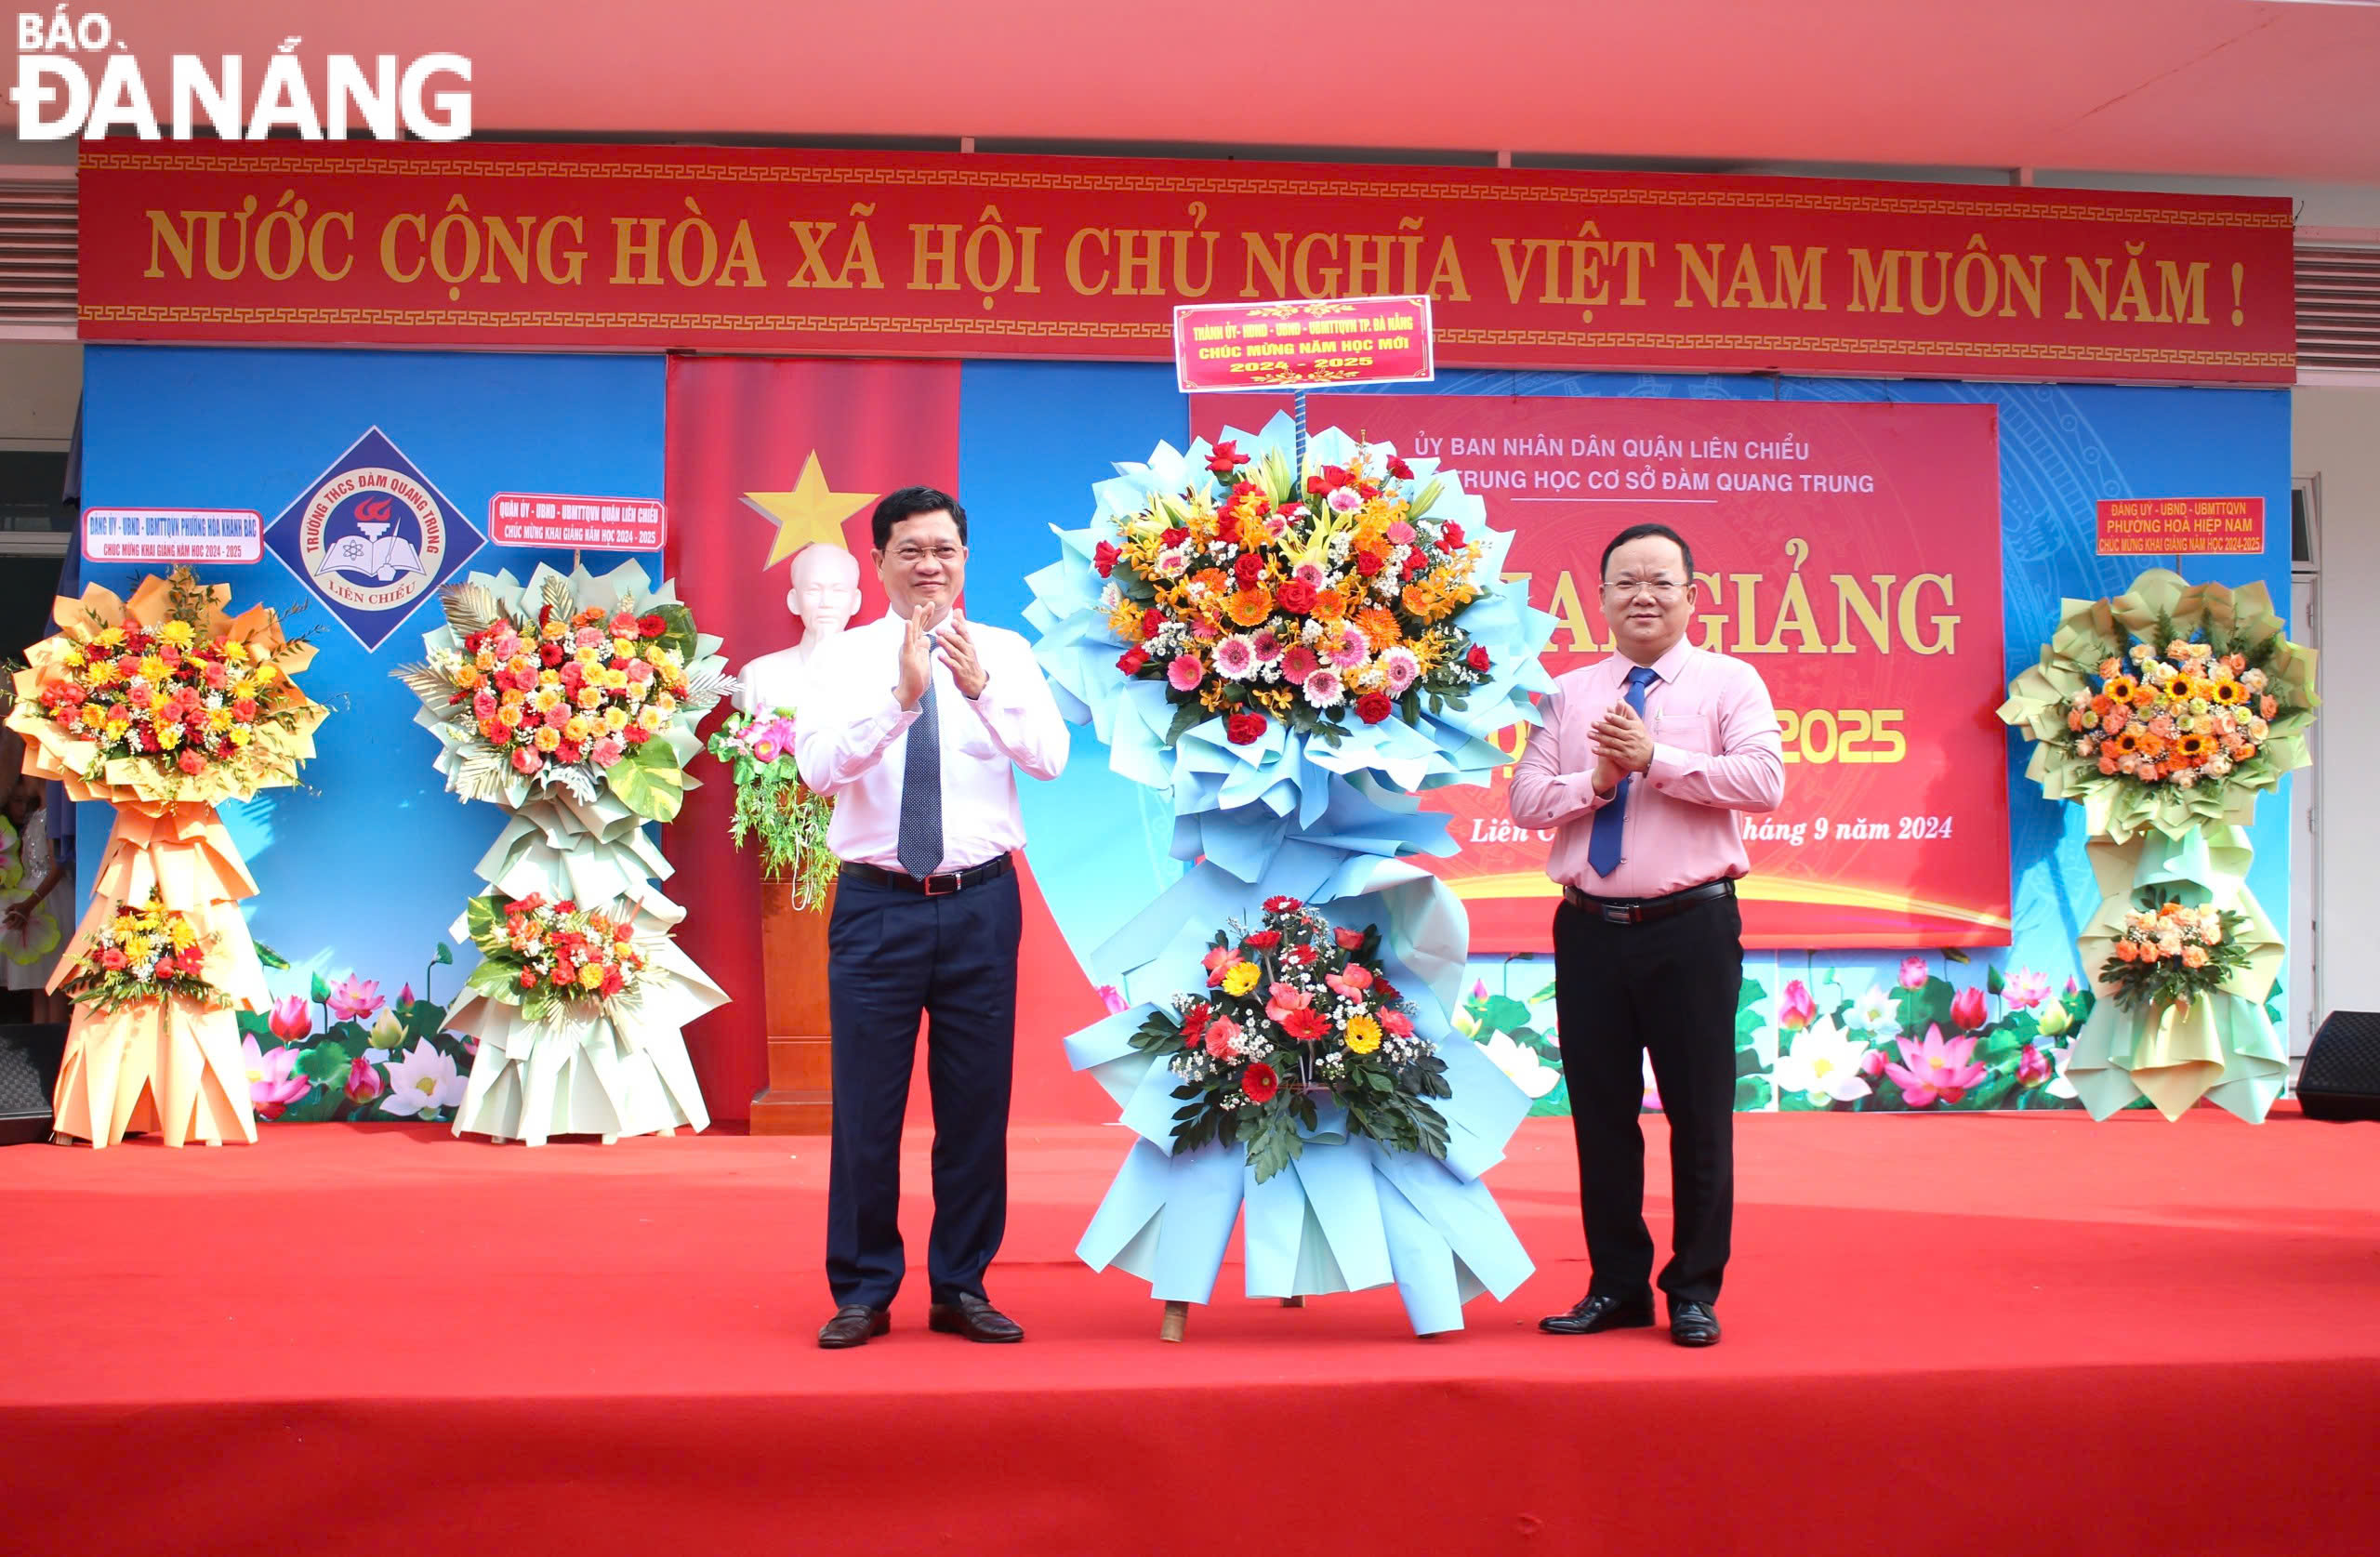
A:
(852, 741)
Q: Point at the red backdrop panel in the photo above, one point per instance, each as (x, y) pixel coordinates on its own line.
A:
(740, 424)
(1850, 552)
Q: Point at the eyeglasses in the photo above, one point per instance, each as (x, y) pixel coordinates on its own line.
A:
(1661, 589)
(913, 555)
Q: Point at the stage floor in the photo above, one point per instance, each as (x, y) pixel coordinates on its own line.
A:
(1971, 1333)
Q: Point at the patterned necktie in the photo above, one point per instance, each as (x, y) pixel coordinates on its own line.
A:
(920, 847)
(1603, 842)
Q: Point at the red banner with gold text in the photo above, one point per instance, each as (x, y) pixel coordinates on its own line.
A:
(879, 253)
(1850, 553)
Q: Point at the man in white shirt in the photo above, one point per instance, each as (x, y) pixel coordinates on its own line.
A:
(915, 724)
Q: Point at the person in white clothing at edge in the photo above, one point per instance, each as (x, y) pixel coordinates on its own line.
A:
(915, 724)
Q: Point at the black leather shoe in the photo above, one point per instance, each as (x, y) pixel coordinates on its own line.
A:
(968, 1315)
(1595, 1312)
(1693, 1323)
(853, 1325)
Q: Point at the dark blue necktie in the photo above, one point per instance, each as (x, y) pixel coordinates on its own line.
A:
(1603, 842)
(918, 845)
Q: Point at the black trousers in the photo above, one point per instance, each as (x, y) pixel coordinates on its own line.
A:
(1668, 988)
(892, 956)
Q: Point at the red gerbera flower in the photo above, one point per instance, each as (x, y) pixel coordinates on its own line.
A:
(1260, 1083)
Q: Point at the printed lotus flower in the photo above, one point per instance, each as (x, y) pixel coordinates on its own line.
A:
(273, 1083)
(364, 1083)
(2026, 991)
(2054, 1020)
(1913, 972)
(1968, 1009)
(422, 1080)
(1876, 1014)
(1528, 1069)
(354, 999)
(2033, 1067)
(1823, 1064)
(1936, 1069)
(290, 1021)
(1112, 998)
(1794, 1008)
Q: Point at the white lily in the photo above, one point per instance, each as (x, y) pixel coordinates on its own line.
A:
(1823, 1064)
(1521, 1062)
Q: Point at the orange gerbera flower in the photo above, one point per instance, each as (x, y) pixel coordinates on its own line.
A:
(1379, 626)
(1251, 607)
(1214, 579)
(2143, 695)
(1329, 605)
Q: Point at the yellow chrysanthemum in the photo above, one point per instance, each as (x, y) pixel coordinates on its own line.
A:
(125, 925)
(591, 977)
(218, 719)
(266, 673)
(73, 659)
(1363, 1033)
(134, 947)
(184, 936)
(1242, 978)
(169, 735)
(177, 633)
(154, 669)
(109, 637)
(241, 735)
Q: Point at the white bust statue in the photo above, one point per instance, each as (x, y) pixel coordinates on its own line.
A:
(825, 595)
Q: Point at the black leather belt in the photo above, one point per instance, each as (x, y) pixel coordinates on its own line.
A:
(1647, 910)
(941, 884)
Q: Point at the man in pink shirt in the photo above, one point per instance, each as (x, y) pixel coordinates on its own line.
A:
(1643, 763)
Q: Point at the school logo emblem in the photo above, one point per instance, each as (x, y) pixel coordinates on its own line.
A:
(372, 538)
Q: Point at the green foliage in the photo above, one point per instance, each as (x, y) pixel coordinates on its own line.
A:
(650, 781)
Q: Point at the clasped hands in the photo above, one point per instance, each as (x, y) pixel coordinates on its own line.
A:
(1623, 746)
(953, 646)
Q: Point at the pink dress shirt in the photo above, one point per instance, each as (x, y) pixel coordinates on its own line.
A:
(1715, 753)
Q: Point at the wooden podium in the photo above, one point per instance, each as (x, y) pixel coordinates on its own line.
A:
(799, 1100)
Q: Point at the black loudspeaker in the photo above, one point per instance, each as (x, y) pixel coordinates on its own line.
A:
(2342, 1075)
(29, 1057)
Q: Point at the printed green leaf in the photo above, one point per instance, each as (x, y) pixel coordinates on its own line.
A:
(649, 781)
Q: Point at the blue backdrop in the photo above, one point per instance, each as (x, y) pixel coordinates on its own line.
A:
(367, 873)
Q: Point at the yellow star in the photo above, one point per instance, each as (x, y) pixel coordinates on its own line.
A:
(809, 513)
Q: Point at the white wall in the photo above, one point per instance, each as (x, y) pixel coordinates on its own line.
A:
(40, 382)
(2336, 436)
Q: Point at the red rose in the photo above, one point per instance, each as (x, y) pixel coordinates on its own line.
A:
(1399, 469)
(1264, 939)
(166, 967)
(1248, 569)
(112, 959)
(637, 734)
(1296, 597)
(1306, 1026)
(1103, 558)
(613, 982)
(1348, 939)
(245, 710)
(1385, 992)
(1374, 706)
(653, 625)
(1152, 621)
(190, 762)
(1369, 562)
(1335, 475)
(1245, 727)
(1477, 659)
(1283, 905)
(1134, 657)
(1174, 536)
(1226, 457)
(1450, 536)
(1415, 563)
(528, 978)
(1260, 1083)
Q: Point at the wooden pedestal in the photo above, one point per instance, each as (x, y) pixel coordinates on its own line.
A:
(799, 1100)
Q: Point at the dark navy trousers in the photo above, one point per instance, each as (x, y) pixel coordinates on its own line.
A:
(893, 955)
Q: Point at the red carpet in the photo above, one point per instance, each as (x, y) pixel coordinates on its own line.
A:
(2006, 1335)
